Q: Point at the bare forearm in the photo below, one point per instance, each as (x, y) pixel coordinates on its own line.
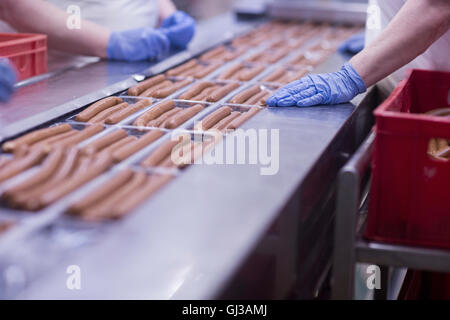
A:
(43, 17)
(416, 26)
(166, 9)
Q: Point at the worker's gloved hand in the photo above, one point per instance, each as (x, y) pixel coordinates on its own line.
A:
(138, 44)
(179, 28)
(7, 79)
(354, 44)
(325, 88)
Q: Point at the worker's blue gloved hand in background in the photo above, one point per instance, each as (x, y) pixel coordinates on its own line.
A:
(354, 44)
(7, 79)
(179, 28)
(325, 88)
(138, 44)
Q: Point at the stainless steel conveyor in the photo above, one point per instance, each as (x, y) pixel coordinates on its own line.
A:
(218, 231)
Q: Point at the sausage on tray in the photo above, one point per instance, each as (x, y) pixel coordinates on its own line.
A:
(125, 113)
(104, 209)
(80, 136)
(186, 66)
(183, 116)
(239, 121)
(222, 92)
(35, 136)
(146, 84)
(109, 139)
(245, 95)
(17, 166)
(195, 90)
(102, 192)
(79, 178)
(154, 113)
(96, 108)
(131, 148)
(165, 92)
(48, 167)
(222, 124)
(213, 118)
(102, 116)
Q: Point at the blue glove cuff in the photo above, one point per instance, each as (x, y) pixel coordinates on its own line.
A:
(355, 77)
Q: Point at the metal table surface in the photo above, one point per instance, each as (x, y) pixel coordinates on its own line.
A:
(214, 223)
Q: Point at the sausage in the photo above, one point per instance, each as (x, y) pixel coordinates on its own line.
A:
(117, 145)
(230, 71)
(15, 167)
(277, 74)
(278, 55)
(103, 191)
(205, 93)
(163, 93)
(251, 73)
(190, 72)
(160, 154)
(176, 71)
(262, 101)
(27, 199)
(297, 75)
(245, 95)
(35, 136)
(299, 59)
(183, 116)
(256, 99)
(79, 178)
(131, 148)
(213, 118)
(47, 143)
(161, 121)
(154, 113)
(104, 209)
(258, 56)
(222, 92)
(238, 74)
(205, 71)
(102, 116)
(151, 91)
(213, 53)
(96, 108)
(47, 168)
(195, 90)
(144, 85)
(125, 113)
(136, 198)
(222, 124)
(98, 144)
(80, 136)
(236, 123)
(79, 167)
(231, 55)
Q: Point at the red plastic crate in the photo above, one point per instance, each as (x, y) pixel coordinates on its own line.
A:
(28, 52)
(410, 194)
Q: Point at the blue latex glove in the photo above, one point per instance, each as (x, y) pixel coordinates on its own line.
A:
(7, 79)
(179, 28)
(354, 44)
(325, 88)
(138, 44)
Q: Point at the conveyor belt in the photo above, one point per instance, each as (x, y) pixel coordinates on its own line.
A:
(266, 119)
